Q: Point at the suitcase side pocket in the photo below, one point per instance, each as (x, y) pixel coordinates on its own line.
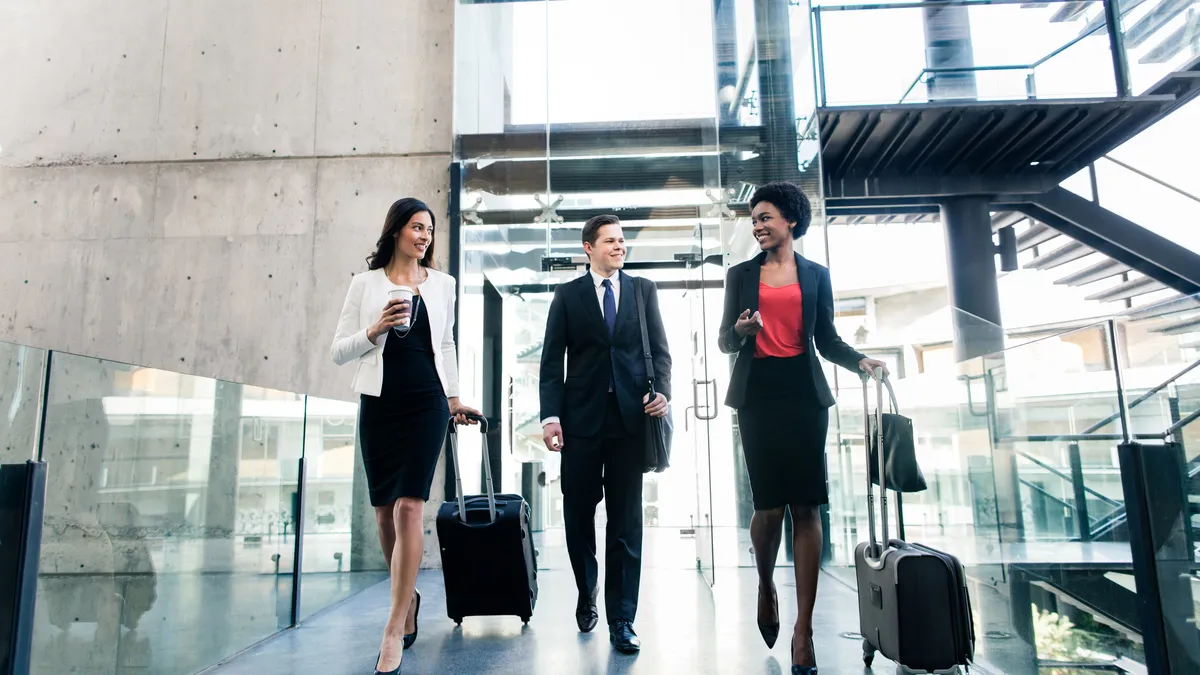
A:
(962, 625)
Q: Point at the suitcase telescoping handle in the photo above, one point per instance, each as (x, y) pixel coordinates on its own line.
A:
(487, 469)
(877, 547)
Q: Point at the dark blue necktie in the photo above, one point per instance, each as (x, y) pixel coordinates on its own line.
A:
(610, 320)
(610, 307)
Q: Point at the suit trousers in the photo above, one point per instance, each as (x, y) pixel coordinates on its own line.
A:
(605, 466)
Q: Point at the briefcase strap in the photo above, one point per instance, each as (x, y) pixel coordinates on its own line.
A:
(641, 309)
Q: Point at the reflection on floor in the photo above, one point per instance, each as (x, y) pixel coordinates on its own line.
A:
(685, 628)
(195, 620)
(116, 625)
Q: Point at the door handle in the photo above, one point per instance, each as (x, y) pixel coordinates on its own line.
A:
(710, 412)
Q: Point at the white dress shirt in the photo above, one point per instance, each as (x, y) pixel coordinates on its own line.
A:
(598, 280)
(616, 286)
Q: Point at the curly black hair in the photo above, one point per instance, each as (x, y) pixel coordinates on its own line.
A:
(791, 201)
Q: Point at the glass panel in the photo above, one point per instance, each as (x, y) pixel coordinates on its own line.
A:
(333, 568)
(1000, 442)
(1162, 373)
(1160, 38)
(627, 83)
(1162, 381)
(1063, 557)
(22, 376)
(1061, 54)
(703, 408)
(169, 529)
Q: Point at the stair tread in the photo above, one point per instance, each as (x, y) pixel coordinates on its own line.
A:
(1128, 289)
(1072, 250)
(1104, 269)
(1035, 235)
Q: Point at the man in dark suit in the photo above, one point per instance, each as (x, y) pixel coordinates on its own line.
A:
(595, 415)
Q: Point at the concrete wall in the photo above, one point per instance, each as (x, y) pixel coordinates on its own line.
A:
(190, 184)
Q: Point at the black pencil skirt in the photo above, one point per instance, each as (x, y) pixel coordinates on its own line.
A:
(401, 445)
(783, 429)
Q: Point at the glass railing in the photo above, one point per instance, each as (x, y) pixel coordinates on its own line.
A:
(1162, 386)
(1054, 57)
(1016, 51)
(1019, 452)
(173, 502)
(21, 389)
(1160, 38)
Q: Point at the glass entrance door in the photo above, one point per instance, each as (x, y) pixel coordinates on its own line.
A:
(677, 510)
(703, 406)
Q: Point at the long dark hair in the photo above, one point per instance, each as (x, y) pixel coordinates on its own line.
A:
(398, 216)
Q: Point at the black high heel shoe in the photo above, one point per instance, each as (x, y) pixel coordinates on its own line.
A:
(390, 672)
(410, 638)
(805, 670)
(770, 631)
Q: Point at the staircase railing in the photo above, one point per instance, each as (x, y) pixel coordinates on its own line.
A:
(1110, 24)
(1089, 530)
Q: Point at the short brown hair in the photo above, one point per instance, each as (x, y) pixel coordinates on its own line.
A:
(591, 229)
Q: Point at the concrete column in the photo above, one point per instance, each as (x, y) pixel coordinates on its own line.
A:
(776, 95)
(221, 492)
(974, 292)
(948, 45)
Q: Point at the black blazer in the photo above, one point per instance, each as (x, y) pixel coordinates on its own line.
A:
(575, 329)
(741, 293)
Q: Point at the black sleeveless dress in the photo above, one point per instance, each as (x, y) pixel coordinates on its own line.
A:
(402, 431)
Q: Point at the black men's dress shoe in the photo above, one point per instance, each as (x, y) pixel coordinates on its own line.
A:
(586, 614)
(624, 640)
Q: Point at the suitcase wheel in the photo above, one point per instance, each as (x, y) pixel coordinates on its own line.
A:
(525, 620)
(457, 620)
(868, 653)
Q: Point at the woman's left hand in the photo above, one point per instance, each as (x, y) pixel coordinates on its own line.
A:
(460, 412)
(868, 366)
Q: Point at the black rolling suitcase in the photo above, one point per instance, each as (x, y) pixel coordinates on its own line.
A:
(488, 561)
(913, 605)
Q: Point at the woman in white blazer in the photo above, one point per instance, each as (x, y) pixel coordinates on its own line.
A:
(408, 387)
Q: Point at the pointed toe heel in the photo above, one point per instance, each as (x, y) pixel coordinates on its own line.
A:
(380, 672)
(769, 631)
(410, 638)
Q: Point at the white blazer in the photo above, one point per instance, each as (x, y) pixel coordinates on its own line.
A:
(364, 303)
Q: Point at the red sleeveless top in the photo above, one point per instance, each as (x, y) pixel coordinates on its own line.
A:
(782, 334)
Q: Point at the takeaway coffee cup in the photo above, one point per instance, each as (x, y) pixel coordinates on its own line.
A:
(406, 294)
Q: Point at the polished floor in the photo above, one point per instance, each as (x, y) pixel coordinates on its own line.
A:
(686, 627)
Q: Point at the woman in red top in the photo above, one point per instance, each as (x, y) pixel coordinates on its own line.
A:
(778, 315)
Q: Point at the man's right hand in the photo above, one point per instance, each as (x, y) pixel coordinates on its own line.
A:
(552, 436)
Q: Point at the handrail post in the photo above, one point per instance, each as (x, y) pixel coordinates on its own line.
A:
(1080, 491)
(819, 54)
(1110, 328)
(298, 546)
(1116, 43)
(1176, 414)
